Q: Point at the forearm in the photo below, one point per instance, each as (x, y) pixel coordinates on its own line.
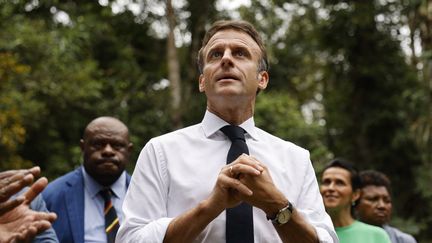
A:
(297, 230)
(186, 227)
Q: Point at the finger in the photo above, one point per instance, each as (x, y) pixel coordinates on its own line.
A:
(7, 173)
(35, 171)
(249, 160)
(36, 189)
(11, 204)
(235, 185)
(44, 216)
(239, 168)
(41, 226)
(26, 234)
(11, 185)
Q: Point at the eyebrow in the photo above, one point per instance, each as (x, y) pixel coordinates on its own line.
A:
(233, 47)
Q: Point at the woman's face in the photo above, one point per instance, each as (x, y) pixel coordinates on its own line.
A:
(336, 188)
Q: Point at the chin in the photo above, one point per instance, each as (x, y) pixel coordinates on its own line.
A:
(331, 206)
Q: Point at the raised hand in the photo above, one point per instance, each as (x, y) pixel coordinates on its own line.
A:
(11, 182)
(21, 223)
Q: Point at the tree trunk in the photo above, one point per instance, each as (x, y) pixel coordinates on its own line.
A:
(173, 69)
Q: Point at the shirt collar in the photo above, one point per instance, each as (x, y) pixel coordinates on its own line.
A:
(211, 124)
(93, 187)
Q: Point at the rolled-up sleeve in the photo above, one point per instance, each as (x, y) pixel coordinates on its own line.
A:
(144, 207)
(311, 206)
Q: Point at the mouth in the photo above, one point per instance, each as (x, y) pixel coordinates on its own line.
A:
(107, 161)
(330, 197)
(381, 215)
(227, 77)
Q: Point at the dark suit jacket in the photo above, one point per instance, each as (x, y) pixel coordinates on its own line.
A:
(65, 197)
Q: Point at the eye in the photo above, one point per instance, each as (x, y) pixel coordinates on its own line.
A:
(325, 182)
(240, 53)
(118, 146)
(215, 54)
(340, 183)
(97, 144)
(372, 199)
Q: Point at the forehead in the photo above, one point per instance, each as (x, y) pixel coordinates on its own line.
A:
(232, 37)
(105, 130)
(372, 190)
(337, 173)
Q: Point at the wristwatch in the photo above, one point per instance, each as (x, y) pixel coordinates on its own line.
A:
(283, 216)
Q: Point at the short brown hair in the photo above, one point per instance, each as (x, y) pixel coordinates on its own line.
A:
(239, 25)
(375, 178)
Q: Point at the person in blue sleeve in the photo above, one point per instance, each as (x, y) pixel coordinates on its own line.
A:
(86, 198)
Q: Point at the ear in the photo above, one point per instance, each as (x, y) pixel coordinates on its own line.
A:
(356, 195)
(201, 84)
(82, 145)
(263, 79)
(130, 147)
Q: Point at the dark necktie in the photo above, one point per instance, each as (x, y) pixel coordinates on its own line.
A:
(111, 220)
(239, 220)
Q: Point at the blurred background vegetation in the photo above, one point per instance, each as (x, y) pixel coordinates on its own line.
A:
(349, 79)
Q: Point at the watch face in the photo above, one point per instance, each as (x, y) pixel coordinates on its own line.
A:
(284, 216)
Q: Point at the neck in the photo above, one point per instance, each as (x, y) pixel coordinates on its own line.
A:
(235, 113)
(341, 218)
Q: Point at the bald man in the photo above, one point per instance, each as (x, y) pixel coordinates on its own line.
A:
(79, 197)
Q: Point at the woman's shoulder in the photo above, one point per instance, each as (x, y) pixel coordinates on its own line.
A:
(359, 232)
(376, 232)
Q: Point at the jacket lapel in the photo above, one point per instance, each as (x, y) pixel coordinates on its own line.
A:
(75, 205)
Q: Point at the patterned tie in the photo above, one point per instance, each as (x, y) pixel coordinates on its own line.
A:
(239, 220)
(111, 220)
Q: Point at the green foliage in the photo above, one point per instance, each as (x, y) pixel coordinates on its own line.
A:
(99, 64)
(12, 130)
(279, 114)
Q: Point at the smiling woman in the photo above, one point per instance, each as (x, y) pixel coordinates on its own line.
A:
(340, 188)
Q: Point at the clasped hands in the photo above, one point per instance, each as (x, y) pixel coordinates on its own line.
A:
(246, 179)
(18, 222)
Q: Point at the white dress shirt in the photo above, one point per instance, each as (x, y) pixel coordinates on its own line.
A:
(176, 171)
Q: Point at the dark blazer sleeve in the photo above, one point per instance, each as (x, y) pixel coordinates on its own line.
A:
(48, 236)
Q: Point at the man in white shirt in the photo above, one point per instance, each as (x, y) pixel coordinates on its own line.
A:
(182, 186)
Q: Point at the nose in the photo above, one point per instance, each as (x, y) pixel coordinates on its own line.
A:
(227, 60)
(328, 187)
(381, 203)
(108, 150)
(331, 186)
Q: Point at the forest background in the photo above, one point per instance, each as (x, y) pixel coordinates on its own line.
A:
(350, 79)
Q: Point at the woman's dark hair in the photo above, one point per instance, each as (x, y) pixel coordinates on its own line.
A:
(355, 178)
(340, 163)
